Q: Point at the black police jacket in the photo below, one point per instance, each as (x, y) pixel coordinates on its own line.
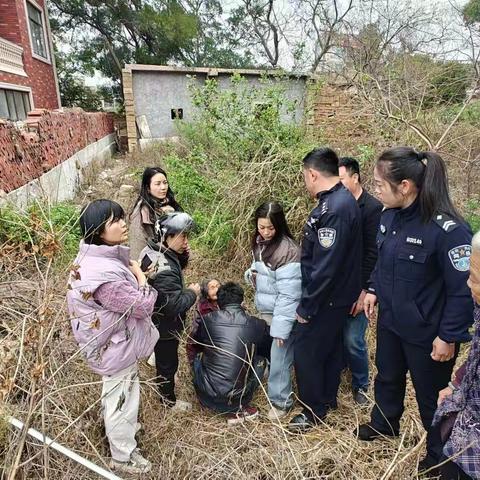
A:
(331, 253)
(420, 278)
(232, 337)
(173, 300)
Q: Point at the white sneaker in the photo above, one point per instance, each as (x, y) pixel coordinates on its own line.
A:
(151, 360)
(139, 459)
(137, 464)
(276, 413)
(182, 406)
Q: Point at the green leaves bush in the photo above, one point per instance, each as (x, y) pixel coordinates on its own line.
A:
(242, 148)
(50, 230)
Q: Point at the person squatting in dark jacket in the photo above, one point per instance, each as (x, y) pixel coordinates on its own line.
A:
(420, 284)
(331, 281)
(160, 259)
(232, 362)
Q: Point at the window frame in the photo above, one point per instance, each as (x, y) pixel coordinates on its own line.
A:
(43, 16)
(21, 89)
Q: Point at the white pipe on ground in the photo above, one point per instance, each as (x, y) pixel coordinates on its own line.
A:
(67, 452)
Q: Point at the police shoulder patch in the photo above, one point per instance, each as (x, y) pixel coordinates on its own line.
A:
(326, 236)
(460, 257)
(445, 222)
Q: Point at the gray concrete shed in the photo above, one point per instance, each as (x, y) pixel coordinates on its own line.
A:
(155, 95)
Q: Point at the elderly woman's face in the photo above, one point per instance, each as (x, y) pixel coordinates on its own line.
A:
(474, 279)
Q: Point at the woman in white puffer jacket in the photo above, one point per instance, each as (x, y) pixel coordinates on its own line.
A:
(275, 274)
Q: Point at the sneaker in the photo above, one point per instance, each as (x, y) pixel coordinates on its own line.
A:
(245, 413)
(301, 423)
(275, 413)
(137, 465)
(139, 459)
(367, 433)
(182, 406)
(360, 396)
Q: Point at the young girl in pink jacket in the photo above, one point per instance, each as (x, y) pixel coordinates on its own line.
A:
(110, 306)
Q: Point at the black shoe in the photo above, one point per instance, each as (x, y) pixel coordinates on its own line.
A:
(427, 468)
(360, 396)
(367, 433)
(301, 423)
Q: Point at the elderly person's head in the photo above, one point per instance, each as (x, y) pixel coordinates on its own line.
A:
(474, 279)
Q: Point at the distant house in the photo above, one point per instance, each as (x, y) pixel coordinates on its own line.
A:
(28, 78)
(157, 95)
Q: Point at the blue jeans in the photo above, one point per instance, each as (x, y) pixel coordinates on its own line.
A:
(356, 353)
(229, 405)
(280, 377)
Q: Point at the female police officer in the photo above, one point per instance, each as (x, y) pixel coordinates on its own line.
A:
(420, 283)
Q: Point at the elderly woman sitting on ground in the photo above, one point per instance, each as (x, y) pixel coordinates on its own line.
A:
(459, 404)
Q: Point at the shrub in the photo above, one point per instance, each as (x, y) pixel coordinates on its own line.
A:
(50, 230)
(472, 214)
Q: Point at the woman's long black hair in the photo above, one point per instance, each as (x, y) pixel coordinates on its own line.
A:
(427, 170)
(95, 216)
(274, 212)
(146, 198)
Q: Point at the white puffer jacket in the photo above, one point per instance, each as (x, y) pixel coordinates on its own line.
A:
(278, 283)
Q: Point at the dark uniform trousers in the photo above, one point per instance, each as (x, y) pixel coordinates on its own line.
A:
(166, 362)
(319, 360)
(394, 357)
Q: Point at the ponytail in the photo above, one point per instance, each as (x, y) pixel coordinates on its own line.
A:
(427, 170)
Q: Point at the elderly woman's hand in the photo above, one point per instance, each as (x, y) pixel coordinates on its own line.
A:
(443, 394)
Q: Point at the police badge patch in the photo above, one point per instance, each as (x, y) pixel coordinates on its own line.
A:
(460, 257)
(326, 236)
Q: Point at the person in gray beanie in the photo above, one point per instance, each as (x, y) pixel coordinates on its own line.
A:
(160, 258)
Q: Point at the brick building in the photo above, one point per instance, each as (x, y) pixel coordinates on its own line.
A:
(28, 78)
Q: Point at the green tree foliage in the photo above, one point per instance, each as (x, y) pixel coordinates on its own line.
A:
(471, 12)
(73, 92)
(105, 36)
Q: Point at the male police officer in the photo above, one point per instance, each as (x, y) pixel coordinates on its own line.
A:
(331, 280)
(356, 324)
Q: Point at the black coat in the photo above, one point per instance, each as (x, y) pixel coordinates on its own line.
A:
(421, 274)
(371, 211)
(331, 249)
(234, 338)
(173, 300)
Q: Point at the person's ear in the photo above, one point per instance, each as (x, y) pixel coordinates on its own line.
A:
(313, 174)
(405, 187)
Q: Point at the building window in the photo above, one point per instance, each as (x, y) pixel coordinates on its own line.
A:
(176, 113)
(14, 105)
(37, 31)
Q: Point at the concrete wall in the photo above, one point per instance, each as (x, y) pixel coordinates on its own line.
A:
(61, 182)
(156, 93)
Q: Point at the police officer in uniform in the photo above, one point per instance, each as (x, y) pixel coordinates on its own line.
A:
(331, 280)
(420, 283)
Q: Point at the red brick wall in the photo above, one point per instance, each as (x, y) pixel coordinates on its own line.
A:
(41, 77)
(9, 27)
(50, 138)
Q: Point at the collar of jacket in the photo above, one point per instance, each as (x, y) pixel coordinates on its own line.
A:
(410, 211)
(234, 307)
(363, 196)
(120, 252)
(162, 248)
(323, 193)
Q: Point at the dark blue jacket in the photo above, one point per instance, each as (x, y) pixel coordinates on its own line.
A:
(331, 253)
(421, 276)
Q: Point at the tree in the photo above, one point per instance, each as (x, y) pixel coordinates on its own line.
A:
(107, 35)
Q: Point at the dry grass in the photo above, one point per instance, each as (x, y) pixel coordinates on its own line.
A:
(46, 384)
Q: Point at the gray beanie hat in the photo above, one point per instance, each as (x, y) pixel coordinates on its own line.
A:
(173, 223)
